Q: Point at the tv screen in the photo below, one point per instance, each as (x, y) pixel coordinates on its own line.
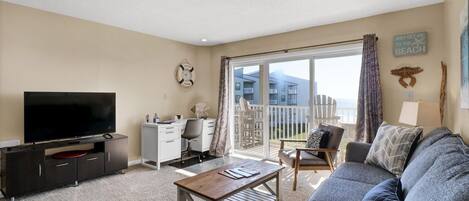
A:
(59, 115)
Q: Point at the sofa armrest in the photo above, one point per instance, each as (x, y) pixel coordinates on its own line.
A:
(357, 152)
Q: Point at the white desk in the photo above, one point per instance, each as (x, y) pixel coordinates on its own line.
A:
(162, 142)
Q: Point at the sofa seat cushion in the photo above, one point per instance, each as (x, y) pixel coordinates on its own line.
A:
(362, 173)
(289, 157)
(336, 189)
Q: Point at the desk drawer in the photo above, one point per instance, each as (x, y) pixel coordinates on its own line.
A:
(169, 133)
(170, 149)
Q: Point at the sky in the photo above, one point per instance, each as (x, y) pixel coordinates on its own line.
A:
(336, 77)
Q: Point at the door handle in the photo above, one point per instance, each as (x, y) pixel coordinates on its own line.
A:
(170, 141)
(92, 159)
(60, 165)
(108, 156)
(40, 169)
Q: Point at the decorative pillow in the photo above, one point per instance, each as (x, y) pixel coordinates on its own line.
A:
(317, 139)
(392, 146)
(388, 190)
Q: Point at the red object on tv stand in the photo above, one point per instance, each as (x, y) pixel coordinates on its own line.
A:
(70, 154)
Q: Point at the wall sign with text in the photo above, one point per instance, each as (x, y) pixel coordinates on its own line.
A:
(410, 44)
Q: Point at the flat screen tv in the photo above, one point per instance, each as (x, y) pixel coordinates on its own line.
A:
(59, 115)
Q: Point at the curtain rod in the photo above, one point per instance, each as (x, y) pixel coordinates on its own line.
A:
(297, 48)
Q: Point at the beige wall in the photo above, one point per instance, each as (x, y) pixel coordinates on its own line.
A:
(386, 26)
(50, 52)
(456, 118)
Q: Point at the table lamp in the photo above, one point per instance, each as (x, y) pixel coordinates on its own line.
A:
(422, 114)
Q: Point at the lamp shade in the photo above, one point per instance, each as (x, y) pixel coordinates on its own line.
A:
(424, 114)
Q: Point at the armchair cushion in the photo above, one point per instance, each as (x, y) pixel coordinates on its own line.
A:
(317, 139)
(335, 136)
(289, 157)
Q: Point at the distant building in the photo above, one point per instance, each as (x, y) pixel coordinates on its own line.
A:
(283, 89)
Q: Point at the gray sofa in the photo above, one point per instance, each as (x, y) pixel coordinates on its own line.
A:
(437, 170)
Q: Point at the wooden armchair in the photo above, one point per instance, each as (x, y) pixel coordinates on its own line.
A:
(307, 161)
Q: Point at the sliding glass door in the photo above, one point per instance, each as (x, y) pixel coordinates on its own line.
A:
(288, 96)
(248, 123)
(336, 79)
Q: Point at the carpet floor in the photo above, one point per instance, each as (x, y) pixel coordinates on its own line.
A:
(140, 184)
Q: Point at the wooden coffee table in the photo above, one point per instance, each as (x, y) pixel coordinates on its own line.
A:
(213, 186)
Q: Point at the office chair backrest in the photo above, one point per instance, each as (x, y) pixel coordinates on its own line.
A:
(193, 129)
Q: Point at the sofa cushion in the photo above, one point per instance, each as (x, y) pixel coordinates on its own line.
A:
(444, 177)
(432, 137)
(418, 167)
(388, 190)
(336, 189)
(392, 146)
(362, 173)
(289, 157)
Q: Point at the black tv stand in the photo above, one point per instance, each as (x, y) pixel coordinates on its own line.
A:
(27, 169)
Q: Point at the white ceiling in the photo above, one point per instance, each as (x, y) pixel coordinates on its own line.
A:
(219, 21)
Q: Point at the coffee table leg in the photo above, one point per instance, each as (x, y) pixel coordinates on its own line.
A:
(181, 195)
(277, 185)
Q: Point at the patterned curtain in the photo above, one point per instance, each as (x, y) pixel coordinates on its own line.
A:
(370, 109)
(221, 139)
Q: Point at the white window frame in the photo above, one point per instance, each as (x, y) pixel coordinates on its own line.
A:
(264, 63)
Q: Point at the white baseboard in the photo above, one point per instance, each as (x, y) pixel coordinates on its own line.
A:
(134, 162)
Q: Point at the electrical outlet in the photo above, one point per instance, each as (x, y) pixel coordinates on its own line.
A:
(9, 143)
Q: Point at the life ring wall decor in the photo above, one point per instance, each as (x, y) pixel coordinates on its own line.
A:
(185, 74)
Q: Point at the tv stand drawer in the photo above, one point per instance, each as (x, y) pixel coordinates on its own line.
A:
(91, 166)
(60, 172)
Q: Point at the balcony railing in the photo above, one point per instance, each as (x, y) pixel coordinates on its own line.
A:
(292, 91)
(273, 91)
(284, 122)
(290, 121)
(248, 90)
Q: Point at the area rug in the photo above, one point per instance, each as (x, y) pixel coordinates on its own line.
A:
(142, 184)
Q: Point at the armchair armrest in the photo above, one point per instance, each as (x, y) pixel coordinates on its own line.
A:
(328, 150)
(357, 152)
(282, 142)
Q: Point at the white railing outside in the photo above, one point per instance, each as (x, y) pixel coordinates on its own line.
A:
(286, 122)
(347, 115)
(292, 122)
(248, 90)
